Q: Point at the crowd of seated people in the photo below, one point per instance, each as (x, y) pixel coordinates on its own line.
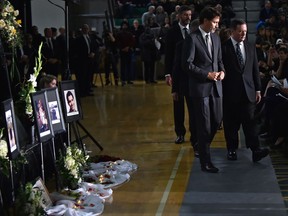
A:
(272, 50)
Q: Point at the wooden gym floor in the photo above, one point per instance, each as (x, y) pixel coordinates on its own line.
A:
(135, 123)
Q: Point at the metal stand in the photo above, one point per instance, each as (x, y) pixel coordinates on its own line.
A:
(54, 163)
(89, 135)
(79, 138)
(12, 181)
(42, 162)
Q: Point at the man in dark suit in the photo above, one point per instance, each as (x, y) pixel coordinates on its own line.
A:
(202, 60)
(86, 50)
(180, 89)
(175, 34)
(241, 91)
(49, 51)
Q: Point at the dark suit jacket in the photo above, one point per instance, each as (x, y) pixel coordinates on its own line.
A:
(236, 80)
(197, 62)
(174, 35)
(180, 83)
(82, 47)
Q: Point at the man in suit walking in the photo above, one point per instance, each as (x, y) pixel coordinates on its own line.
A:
(176, 34)
(241, 91)
(202, 60)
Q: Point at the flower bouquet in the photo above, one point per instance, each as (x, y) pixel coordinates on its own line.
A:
(71, 166)
(4, 160)
(10, 34)
(28, 202)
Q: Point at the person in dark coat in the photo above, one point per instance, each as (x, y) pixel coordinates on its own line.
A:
(241, 92)
(148, 54)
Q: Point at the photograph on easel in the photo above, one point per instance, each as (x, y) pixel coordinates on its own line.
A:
(42, 115)
(55, 110)
(70, 101)
(10, 129)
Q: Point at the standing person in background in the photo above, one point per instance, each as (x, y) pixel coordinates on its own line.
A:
(148, 54)
(202, 60)
(241, 92)
(125, 42)
(136, 31)
(173, 36)
(49, 52)
(61, 49)
(111, 57)
(37, 37)
(85, 50)
(150, 13)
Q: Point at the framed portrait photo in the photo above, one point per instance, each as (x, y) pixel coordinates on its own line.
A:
(10, 129)
(70, 101)
(42, 115)
(55, 110)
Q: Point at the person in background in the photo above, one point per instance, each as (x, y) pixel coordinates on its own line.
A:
(47, 81)
(160, 16)
(49, 52)
(85, 51)
(175, 35)
(202, 60)
(136, 31)
(111, 57)
(125, 42)
(54, 32)
(173, 15)
(150, 13)
(241, 92)
(62, 52)
(148, 54)
(37, 37)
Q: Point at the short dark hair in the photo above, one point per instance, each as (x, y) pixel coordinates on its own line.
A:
(236, 22)
(69, 93)
(184, 8)
(208, 13)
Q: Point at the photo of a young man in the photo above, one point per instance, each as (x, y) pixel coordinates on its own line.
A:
(71, 102)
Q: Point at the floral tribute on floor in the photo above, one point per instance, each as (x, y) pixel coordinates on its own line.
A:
(95, 179)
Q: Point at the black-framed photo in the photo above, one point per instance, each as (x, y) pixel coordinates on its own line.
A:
(70, 100)
(42, 115)
(11, 129)
(55, 110)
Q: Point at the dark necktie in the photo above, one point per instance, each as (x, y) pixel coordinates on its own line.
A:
(208, 43)
(239, 56)
(186, 32)
(88, 41)
(50, 44)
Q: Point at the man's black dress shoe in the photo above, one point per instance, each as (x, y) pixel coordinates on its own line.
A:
(179, 140)
(258, 154)
(196, 151)
(209, 167)
(231, 155)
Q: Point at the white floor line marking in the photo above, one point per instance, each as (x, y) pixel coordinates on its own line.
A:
(170, 182)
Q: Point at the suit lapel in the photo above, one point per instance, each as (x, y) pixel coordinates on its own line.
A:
(201, 40)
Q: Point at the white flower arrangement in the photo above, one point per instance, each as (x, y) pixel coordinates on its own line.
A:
(9, 25)
(31, 84)
(3, 146)
(71, 166)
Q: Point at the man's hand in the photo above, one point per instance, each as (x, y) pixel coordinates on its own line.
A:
(168, 80)
(221, 75)
(213, 75)
(258, 97)
(175, 96)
